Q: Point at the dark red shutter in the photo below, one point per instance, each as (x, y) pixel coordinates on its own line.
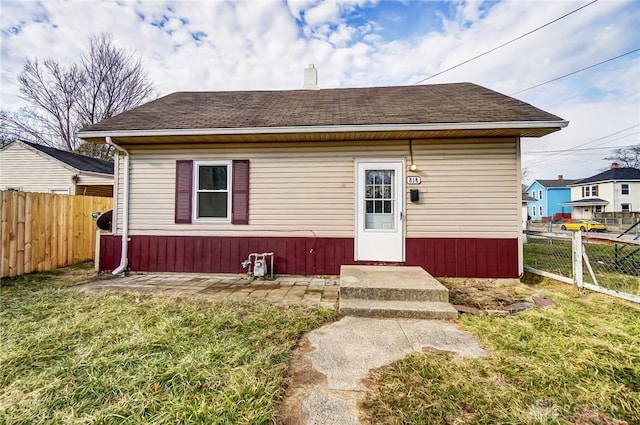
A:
(184, 190)
(240, 192)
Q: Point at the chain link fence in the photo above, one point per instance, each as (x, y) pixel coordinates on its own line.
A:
(601, 263)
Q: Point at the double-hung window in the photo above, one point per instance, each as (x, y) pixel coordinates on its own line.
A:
(212, 191)
(212, 181)
(624, 189)
(625, 208)
(588, 191)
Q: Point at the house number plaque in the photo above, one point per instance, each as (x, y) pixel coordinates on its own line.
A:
(414, 180)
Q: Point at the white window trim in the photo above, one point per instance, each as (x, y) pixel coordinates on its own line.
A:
(622, 207)
(194, 195)
(540, 212)
(622, 189)
(533, 211)
(60, 191)
(540, 195)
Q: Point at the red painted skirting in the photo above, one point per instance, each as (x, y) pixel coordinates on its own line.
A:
(482, 258)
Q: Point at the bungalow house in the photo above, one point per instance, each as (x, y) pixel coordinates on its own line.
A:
(549, 196)
(424, 175)
(30, 167)
(616, 190)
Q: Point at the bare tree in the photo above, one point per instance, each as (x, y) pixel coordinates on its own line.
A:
(115, 81)
(626, 157)
(525, 175)
(53, 91)
(63, 98)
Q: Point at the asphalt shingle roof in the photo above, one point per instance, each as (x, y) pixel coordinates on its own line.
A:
(77, 161)
(418, 104)
(556, 183)
(618, 174)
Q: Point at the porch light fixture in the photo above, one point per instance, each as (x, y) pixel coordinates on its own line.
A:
(413, 166)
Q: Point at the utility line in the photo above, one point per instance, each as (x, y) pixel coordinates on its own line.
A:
(504, 44)
(554, 157)
(575, 72)
(538, 160)
(590, 149)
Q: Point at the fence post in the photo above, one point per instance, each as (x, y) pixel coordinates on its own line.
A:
(96, 255)
(576, 254)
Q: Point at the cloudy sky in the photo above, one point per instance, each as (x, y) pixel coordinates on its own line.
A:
(241, 45)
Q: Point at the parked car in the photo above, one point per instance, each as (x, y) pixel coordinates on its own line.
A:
(584, 225)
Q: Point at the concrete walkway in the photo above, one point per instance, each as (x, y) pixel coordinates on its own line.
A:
(283, 290)
(328, 368)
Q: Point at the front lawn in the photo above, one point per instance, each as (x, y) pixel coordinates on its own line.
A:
(72, 358)
(576, 363)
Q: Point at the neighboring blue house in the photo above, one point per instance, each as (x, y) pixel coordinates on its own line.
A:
(549, 196)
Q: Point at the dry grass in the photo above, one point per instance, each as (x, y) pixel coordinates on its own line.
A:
(69, 358)
(577, 363)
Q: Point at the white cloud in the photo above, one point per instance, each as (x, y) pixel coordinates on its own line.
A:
(470, 10)
(204, 45)
(296, 7)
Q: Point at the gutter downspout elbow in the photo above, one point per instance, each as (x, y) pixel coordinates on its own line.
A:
(124, 258)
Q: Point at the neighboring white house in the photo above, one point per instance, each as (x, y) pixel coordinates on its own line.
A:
(616, 190)
(29, 167)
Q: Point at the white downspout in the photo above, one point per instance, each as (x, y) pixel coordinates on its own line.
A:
(124, 258)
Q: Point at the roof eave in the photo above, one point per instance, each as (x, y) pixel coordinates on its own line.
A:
(584, 203)
(95, 174)
(518, 125)
(631, 180)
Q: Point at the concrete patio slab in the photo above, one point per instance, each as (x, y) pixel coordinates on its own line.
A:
(286, 290)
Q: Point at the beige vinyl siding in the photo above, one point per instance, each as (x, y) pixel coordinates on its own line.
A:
(468, 189)
(88, 179)
(32, 172)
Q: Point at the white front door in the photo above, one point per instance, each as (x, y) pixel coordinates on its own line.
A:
(379, 210)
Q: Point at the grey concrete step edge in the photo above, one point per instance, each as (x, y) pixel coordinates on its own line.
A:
(403, 309)
(395, 294)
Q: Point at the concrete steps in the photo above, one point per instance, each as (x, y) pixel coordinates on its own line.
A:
(393, 291)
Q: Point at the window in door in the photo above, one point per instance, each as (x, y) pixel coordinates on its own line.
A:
(379, 199)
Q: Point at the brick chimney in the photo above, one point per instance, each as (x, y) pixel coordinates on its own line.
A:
(310, 78)
(560, 177)
(614, 165)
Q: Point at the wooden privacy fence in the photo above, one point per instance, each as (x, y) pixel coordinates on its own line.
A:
(43, 231)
